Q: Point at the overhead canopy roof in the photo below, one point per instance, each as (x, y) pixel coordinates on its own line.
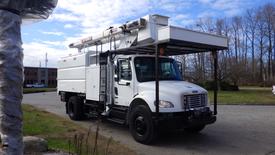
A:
(179, 41)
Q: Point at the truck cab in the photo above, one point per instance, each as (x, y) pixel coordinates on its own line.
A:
(135, 79)
(181, 104)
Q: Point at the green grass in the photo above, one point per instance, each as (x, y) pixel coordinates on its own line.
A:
(59, 131)
(37, 90)
(246, 95)
(55, 130)
(58, 144)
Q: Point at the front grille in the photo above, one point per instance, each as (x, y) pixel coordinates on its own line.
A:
(194, 101)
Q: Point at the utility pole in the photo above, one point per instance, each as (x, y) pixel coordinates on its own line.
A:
(46, 70)
(46, 60)
(39, 73)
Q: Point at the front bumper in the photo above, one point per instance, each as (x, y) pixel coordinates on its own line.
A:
(178, 120)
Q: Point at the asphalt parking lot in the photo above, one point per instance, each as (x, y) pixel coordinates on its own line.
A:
(239, 130)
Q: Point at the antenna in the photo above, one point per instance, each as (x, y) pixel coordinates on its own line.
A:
(46, 60)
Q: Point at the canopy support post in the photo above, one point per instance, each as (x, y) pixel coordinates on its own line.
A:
(215, 57)
(157, 79)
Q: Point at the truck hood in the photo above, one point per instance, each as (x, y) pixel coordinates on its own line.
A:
(172, 87)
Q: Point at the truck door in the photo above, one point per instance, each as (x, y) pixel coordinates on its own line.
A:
(123, 87)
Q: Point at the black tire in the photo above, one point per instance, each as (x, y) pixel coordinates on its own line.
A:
(141, 125)
(195, 129)
(75, 108)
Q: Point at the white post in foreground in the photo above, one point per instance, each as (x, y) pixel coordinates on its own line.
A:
(11, 81)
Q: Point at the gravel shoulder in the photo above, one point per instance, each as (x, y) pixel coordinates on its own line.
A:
(240, 129)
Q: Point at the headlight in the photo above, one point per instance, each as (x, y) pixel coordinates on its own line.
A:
(165, 104)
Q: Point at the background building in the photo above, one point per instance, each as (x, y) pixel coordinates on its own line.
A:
(40, 75)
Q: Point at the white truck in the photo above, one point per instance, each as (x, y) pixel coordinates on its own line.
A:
(127, 75)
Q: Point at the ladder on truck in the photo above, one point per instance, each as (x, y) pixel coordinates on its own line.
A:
(103, 78)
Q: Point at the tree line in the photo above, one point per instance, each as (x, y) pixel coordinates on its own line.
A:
(250, 58)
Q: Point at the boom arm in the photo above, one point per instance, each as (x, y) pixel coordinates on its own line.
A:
(111, 34)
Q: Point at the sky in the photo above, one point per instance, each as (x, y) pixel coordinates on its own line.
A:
(76, 19)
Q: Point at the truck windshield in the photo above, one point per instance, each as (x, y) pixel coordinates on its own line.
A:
(145, 69)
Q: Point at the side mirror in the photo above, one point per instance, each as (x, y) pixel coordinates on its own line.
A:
(180, 67)
(116, 78)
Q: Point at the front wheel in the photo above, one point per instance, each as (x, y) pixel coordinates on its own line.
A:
(141, 125)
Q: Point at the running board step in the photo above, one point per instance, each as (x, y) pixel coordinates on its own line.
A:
(118, 112)
(120, 108)
(117, 120)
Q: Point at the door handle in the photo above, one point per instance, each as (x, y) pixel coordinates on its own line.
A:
(124, 83)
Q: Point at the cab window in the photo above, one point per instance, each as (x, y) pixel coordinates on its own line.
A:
(125, 72)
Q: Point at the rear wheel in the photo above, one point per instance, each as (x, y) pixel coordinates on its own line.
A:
(195, 129)
(75, 108)
(141, 125)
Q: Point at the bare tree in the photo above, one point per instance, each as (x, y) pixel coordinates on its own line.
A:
(205, 25)
(223, 28)
(251, 22)
(249, 58)
(236, 26)
(268, 13)
(260, 38)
